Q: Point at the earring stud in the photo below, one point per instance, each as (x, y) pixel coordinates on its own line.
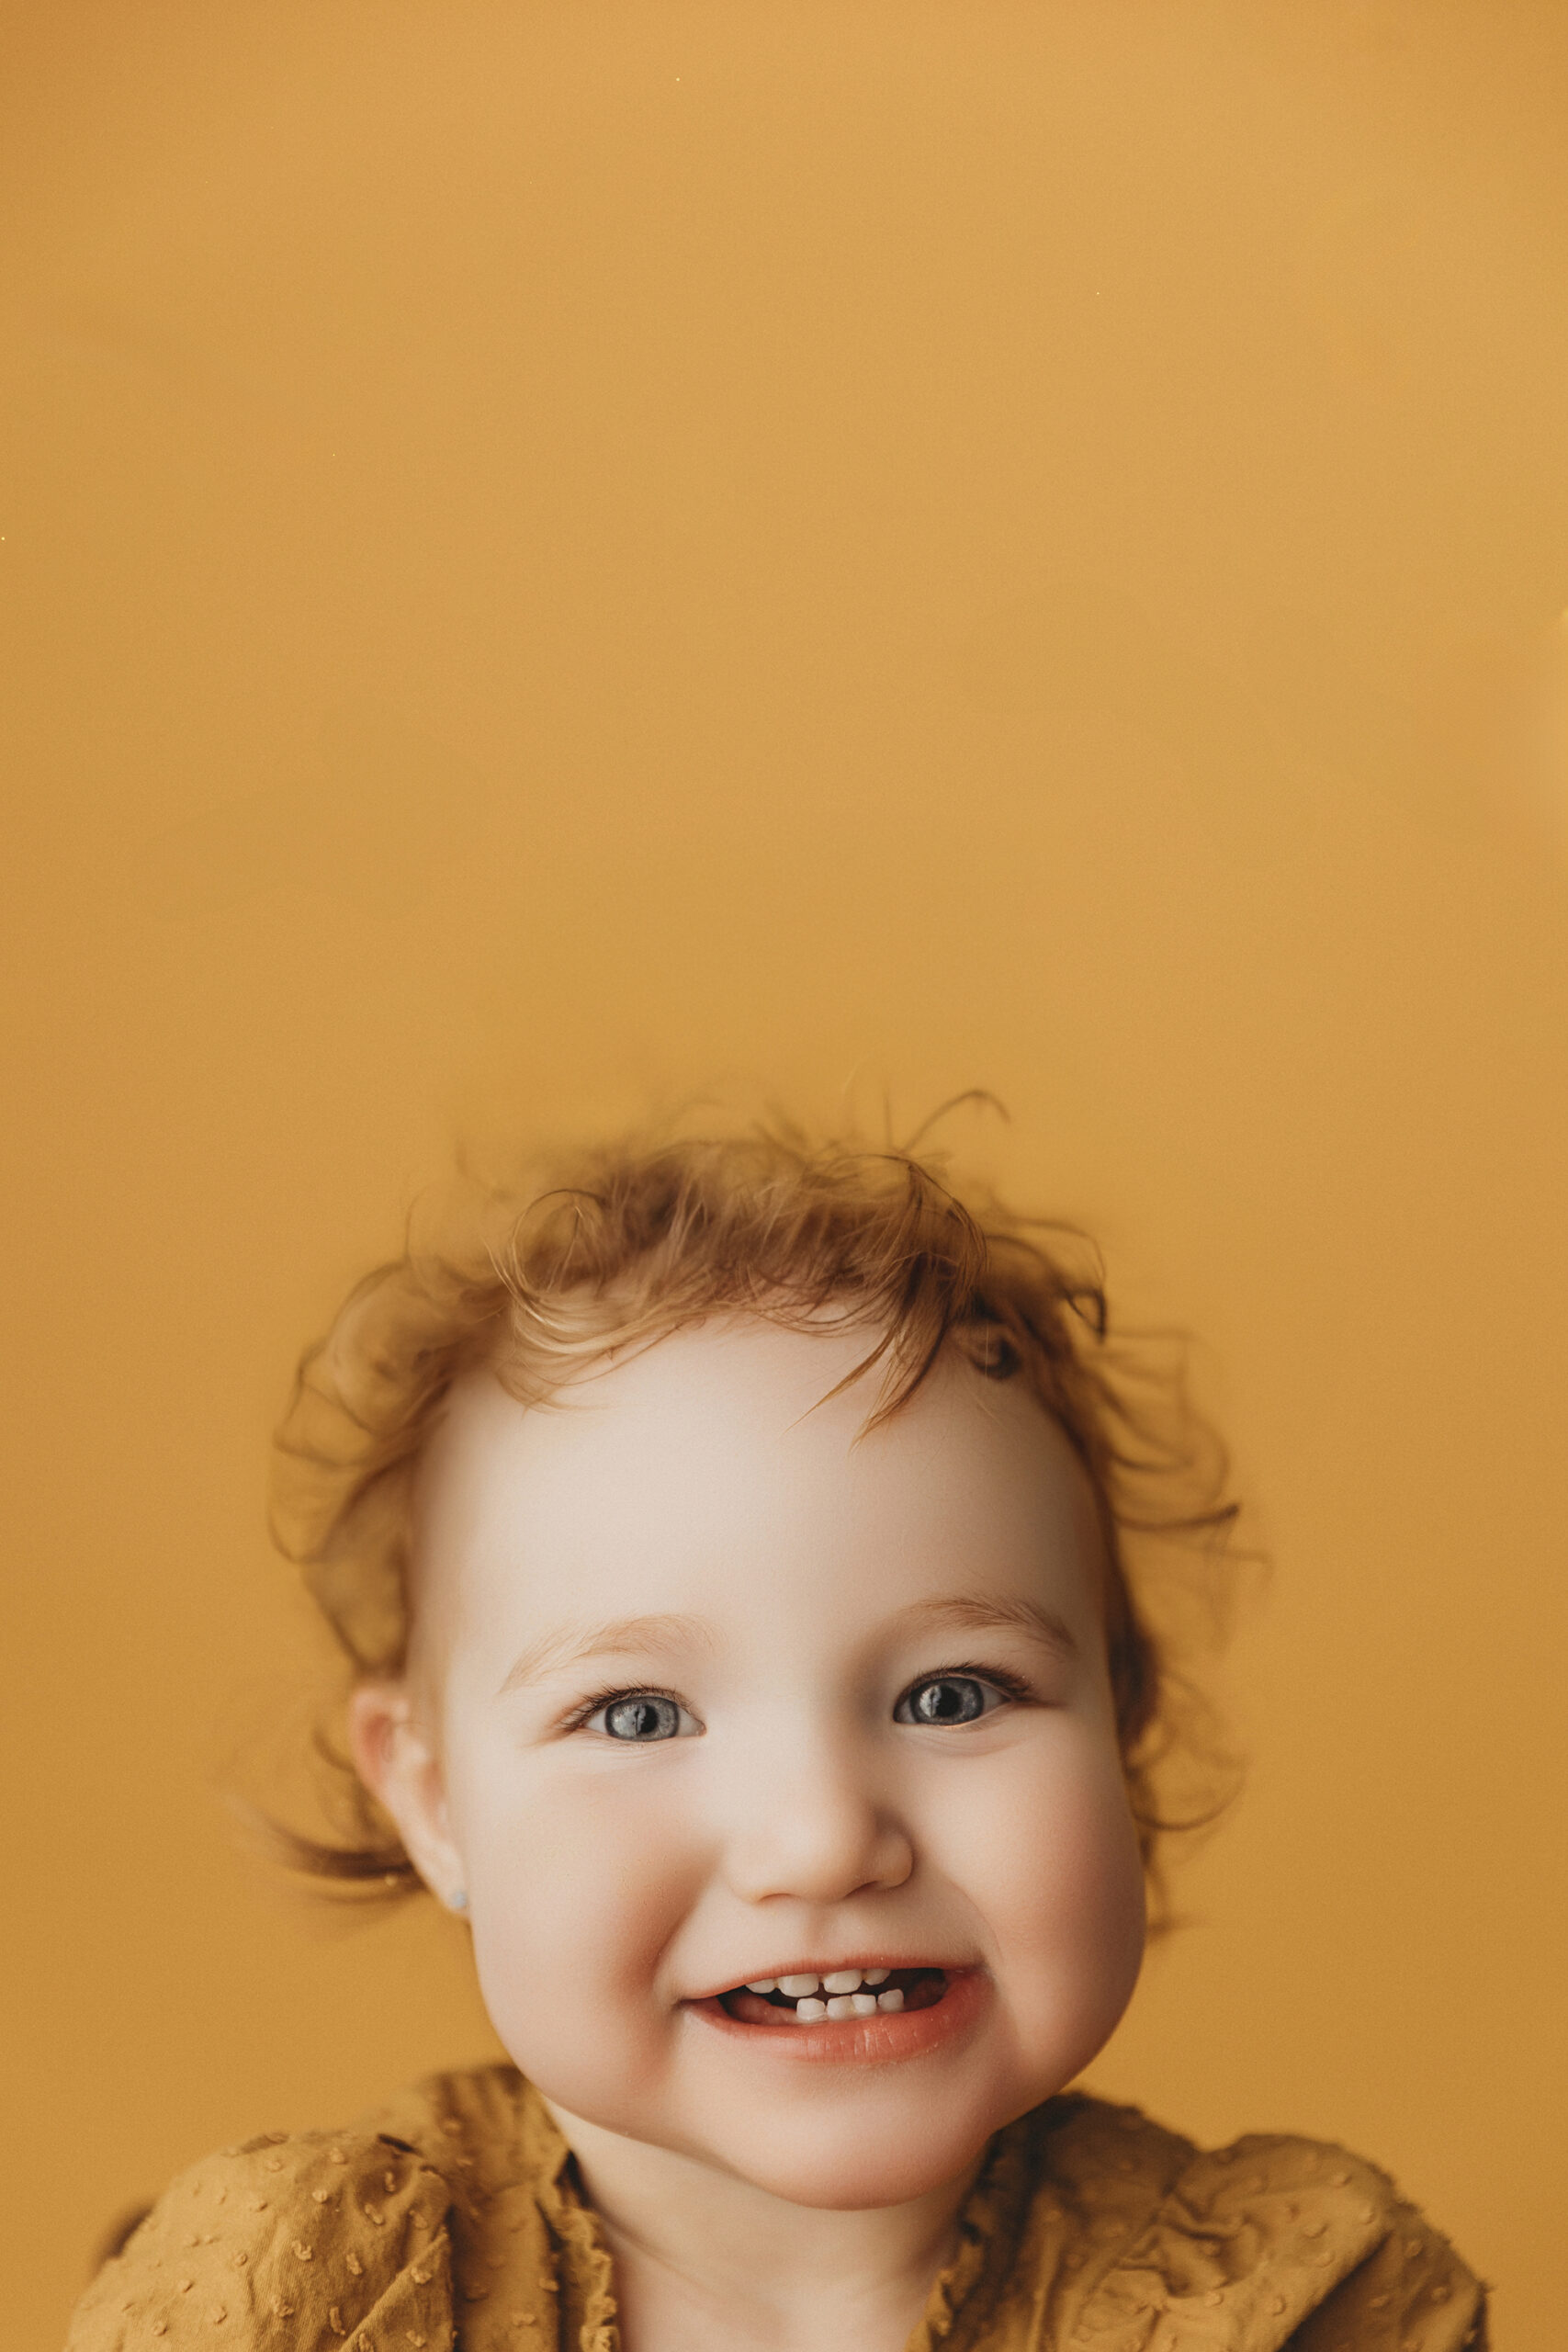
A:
(459, 1899)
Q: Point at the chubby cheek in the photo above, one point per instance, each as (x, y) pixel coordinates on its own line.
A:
(1053, 1870)
(576, 1885)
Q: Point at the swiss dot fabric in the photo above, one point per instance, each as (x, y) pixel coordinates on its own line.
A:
(449, 2221)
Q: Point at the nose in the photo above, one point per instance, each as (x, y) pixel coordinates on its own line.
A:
(805, 1821)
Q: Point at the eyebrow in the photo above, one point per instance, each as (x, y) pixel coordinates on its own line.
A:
(617, 1636)
(968, 1613)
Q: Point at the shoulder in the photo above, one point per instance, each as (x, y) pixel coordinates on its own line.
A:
(1273, 2241)
(320, 2231)
(479, 2127)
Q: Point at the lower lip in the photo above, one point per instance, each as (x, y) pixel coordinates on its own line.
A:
(863, 2042)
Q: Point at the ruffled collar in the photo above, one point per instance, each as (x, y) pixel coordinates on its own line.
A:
(990, 2225)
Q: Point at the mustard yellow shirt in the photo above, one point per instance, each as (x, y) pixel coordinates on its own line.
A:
(452, 2219)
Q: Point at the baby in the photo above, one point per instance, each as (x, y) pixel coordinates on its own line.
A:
(729, 1545)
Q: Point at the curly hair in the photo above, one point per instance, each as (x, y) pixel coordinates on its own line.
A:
(619, 1246)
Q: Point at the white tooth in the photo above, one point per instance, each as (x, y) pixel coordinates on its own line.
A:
(842, 1980)
(875, 1975)
(809, 2012)
(864, 2004)
(893, 2000)
(764, 1985)
(841, 2005)
(795, 1986)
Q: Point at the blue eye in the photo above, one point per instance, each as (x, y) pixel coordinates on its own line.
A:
(947, 1699)
(643, 1716)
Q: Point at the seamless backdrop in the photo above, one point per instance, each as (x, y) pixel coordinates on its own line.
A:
(555, 553)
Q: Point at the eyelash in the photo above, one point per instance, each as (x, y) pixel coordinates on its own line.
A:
(607, 1697)
(1011, 1686)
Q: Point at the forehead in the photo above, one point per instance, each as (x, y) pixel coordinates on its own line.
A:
(715, 1473)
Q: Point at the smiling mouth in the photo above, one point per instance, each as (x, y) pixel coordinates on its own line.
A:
(843, 1996)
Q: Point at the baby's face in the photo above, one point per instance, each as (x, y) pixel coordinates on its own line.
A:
(720, 1697)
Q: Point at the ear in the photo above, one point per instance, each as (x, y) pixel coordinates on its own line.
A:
(396, 1759)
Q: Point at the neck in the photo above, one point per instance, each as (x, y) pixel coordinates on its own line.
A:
(704, 2259)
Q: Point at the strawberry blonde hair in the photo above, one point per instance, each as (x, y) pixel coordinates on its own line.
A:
(619, 1246)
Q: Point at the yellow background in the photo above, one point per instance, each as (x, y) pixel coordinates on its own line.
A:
(552, 551)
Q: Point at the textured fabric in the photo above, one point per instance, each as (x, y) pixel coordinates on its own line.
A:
(450, 2219)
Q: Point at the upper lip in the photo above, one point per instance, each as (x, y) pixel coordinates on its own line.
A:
(824, 1968)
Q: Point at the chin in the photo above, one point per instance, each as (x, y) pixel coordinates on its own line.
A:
(895, 2142)
(850, 2174)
